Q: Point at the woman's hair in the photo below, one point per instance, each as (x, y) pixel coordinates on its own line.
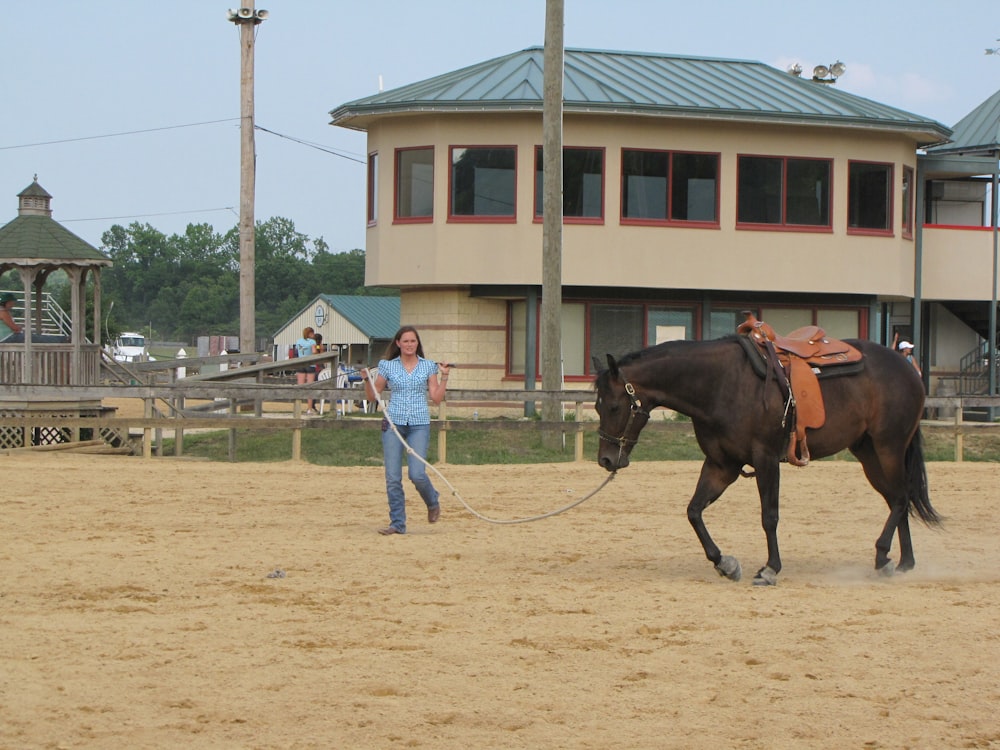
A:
(307, 332)
(392, 351)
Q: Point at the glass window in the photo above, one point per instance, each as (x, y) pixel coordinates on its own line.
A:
(573, 318)
(808, 187)
(723, 322)
(517, 337)
(693, 187)
(415, 183)
(840, 324)
(615, 330)
(908, 202)
(644, 184)
(373, 187)
(483, 181)
(784, 191)
(665, 324)
(655, 181)
(583, 183)
(869, 196)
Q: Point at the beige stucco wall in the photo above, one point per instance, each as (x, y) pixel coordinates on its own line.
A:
(639, 256)
(958, 263)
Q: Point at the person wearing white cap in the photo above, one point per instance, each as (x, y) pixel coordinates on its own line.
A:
(906, 349)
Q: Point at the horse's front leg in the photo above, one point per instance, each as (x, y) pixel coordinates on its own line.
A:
(712, 482)
(768, 482)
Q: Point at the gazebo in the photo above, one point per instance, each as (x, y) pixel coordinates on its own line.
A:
(35, 245)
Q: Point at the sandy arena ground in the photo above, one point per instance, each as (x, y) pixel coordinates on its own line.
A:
(136, 611)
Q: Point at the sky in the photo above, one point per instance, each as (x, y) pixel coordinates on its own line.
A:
(128, 111)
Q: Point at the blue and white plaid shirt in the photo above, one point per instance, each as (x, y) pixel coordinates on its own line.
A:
(408, 399)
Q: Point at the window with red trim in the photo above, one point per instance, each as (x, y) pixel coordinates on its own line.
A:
(483, 183)
(415, 184)
(869, 197)
(583, 183)
(784, 191)
(668, 186)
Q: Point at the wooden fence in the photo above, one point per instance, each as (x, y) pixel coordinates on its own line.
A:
(165, 408)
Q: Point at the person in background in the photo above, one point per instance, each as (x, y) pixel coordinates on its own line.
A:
(306, 374)
(906, 349)
(411, 379)
(317, 368)
(12, 333)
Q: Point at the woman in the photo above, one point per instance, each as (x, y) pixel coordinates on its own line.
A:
(9, 330)
(304, 347)
(411, 378)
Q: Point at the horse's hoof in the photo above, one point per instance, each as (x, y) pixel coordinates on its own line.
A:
(887, 570)
(729, 567)
(765, 577)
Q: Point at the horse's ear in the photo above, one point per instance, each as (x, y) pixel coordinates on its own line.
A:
(612, 366)
(597, 363)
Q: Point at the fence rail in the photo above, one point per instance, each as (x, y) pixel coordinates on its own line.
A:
(229, 396)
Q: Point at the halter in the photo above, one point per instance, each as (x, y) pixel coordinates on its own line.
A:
(635, 410)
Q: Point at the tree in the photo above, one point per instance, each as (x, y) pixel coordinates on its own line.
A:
(188, 285)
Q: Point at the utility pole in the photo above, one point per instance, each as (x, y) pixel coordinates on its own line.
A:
(550, 344)
(247, 18)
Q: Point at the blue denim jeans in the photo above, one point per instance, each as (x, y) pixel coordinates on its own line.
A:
(419, 437)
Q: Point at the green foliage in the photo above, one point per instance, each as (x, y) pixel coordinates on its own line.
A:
(188, 285)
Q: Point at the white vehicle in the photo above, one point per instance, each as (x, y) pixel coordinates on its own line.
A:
(130, 347)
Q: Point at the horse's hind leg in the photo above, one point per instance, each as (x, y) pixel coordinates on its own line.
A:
(712, 482)
(768, 483)
(886, 473)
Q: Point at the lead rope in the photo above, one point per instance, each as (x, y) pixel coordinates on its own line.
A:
(455, 492)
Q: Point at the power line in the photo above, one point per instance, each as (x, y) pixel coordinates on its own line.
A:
(115, 135)
(164, 213)
(312, 145)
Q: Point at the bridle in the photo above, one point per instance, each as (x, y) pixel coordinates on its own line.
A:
(636, 412)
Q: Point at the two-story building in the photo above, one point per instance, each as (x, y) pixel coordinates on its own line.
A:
(693, 189)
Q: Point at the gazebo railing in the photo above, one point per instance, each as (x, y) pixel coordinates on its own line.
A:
(51, 364)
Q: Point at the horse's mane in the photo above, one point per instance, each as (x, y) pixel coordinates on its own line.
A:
(655, 352)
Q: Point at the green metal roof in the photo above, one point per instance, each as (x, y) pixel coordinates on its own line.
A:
(375, 317)
(634, 83)
(35, 238)
(41, 238)
(977, 132)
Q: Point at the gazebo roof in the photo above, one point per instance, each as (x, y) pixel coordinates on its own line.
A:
(35, 238)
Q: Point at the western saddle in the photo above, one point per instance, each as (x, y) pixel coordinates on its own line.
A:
(798, 361)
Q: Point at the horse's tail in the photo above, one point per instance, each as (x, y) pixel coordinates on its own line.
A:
(916, 482)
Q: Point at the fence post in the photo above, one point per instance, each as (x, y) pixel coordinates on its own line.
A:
(178, 431)
(297, 431)
(443, 433)
(578, 452)
(233, 407)
(959, 436)
(147, 432)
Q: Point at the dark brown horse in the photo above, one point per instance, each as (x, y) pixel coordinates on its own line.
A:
(737, 418)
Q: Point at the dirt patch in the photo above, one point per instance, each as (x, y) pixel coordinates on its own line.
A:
(137, 611)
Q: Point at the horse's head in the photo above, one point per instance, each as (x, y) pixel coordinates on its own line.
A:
(623, 415)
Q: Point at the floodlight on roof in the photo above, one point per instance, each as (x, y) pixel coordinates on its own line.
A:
(829, 73)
